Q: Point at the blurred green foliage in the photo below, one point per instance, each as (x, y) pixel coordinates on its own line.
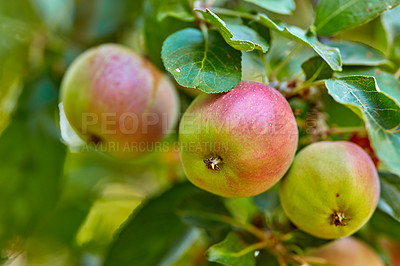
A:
(62, 207)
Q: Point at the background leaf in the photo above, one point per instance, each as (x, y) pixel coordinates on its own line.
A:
(140, 241)
(156, 31)
(30, 180)
(333, 16)
(359, 54)
(176, 9)
(211, 67)
(18, 23)
(380, 112)
(329, 54)
(391, 23)
(390, 194)
(315, 68)
(285, 7)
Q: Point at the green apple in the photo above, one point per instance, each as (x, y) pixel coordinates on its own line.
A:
(331, 190)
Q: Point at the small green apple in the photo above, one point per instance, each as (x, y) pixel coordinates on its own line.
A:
(331, 190)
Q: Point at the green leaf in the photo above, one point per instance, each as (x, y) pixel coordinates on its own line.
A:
(330, 54)
(395, 51)
(176, 9)
(285, 7)
(18, 22)
(269, 200)
(210, 65)
(304, 240)
(50, 12)
(156, 31)
(31, 162)
(386, 81)
(203, 210)
(391, 24)
(239, 37)
(380, 112)
(333, 16)
(390, 194)
(266, 257)
(315, 68)
(99, 19)
(228, 252)
(382, 223)
(280, 48)
(359, 54)
(242, 209)
(153, 231)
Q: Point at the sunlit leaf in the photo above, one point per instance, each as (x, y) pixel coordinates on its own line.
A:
(239, 37)
(380, 112)
(278, 6)
(209, 65)
(333, 16)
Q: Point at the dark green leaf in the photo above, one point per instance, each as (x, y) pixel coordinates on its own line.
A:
(338, 115)
(239, 37)
(359, 54)
(285, 7)
(333, 16)
(304, 240)
(380, 112)
(228, 252)
(211, 66)
(390, 194)
(203, 209)
(383, 223)
(266, 258)
(156, 31)
(316, 68)
(153, 231)
(330, 54)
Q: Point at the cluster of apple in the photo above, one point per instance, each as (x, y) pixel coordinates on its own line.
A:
(234, 144)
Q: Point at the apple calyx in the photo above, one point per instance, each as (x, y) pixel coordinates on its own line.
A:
(213, 162)
(338, 219)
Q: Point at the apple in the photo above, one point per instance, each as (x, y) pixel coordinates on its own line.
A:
(331, 190)
(239, 143)
(118, 101)
(348, 251)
